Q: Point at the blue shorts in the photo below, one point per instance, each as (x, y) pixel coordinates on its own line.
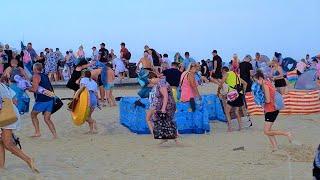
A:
(109, 86)
(93, 100)
(43, 106)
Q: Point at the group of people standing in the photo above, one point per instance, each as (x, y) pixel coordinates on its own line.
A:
(180, 83)
(19, 70)
(168, 84)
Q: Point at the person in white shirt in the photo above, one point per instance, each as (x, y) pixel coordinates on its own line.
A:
(119, 67)
(165, 62)
(301, 67)
(92, 87)
(95, 54)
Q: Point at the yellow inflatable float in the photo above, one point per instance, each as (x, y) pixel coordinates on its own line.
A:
(80, 108)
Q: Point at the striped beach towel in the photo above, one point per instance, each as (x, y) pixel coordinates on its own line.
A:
(296, 102)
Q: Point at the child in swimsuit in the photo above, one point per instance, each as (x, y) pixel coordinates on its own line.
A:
(110, 85)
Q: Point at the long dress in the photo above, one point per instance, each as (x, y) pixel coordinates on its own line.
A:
(164, 126)
(51, 63)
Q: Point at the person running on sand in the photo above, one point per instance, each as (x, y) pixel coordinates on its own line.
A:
(92, 87)
(145, 62)
(6, 141)
(43, 103)
(271, 113)
(109, 86)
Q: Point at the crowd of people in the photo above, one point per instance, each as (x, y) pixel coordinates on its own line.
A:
(168, 82)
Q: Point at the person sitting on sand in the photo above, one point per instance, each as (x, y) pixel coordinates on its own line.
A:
(271, 113)
(92, 87)
(109, 85)
(43, 103)
(161, 110)
(6, 134)
(145, 62)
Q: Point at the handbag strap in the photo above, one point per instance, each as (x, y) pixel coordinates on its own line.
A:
(237, 81)
(183, 79)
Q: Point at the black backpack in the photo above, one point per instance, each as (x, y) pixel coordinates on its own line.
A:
(127, 56)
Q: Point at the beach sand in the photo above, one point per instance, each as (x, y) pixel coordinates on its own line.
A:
(116, 153)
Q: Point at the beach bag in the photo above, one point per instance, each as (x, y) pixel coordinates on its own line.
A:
(24, 103)
(278, 101)
(258, 94)
(164, 128)
(127, 56)
(234, 94)
(179, 88)
(57, 104)
(7, 113)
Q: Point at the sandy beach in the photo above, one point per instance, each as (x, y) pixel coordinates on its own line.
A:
(116, 153)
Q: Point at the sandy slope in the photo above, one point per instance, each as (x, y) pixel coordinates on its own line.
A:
(115, 153)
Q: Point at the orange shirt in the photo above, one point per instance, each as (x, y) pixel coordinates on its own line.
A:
(270, 107)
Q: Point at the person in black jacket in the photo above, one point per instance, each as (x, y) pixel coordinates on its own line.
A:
(9, 53)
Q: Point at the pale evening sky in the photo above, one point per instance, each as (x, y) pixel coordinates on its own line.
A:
(199, 26)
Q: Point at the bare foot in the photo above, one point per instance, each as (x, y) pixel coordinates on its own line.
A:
(36, 135)
(33, 166)
(163, 141)
(275, 149)
(229, 129)
(290, 137)
(177, 142)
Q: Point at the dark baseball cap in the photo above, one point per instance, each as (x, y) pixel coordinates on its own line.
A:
(103, 44)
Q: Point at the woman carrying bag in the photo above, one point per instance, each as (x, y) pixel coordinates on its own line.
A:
(6, 135)
(162, 109)
(271, 111)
